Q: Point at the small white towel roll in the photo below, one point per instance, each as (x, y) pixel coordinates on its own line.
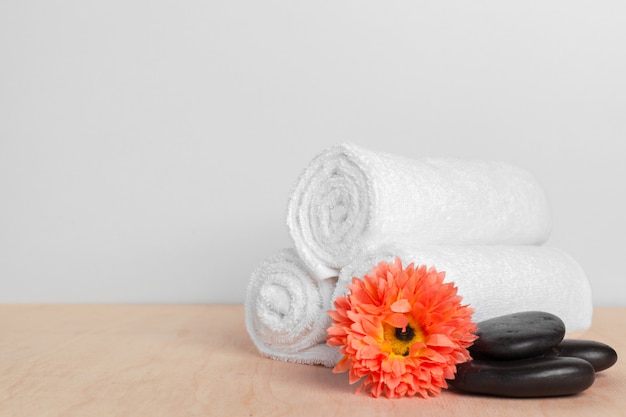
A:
(286, 311)
(348, 196)
(496, 280)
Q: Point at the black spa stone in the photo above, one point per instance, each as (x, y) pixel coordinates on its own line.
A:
(599, 355)
(525, 378)
(517, 336)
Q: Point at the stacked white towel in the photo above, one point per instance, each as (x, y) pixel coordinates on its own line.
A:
(483, 223)
(349, 197)
(286, 310)
(495, 280)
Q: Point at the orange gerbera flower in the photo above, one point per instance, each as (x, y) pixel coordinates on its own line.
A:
(403, 330)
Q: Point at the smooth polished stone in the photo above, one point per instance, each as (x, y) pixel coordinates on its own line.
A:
(517, 336)
(599, 355)
(525, 378)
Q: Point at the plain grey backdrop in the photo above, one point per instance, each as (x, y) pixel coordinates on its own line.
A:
(147, 149)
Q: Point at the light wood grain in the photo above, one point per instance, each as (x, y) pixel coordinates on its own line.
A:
(145, 360)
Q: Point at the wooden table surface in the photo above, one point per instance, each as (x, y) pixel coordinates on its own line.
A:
(197, 360)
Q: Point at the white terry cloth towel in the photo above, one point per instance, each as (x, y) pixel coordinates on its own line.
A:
(347, 196)
(286, 311)
(497, 280)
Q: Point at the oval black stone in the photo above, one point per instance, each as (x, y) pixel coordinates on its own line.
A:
(517, 336)
(599, 355)
(525, 378)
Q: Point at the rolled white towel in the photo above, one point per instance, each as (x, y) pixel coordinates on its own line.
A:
(286, 311)
(348, 196)
(496, 280)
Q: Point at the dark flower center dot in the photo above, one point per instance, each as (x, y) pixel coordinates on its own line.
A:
(406, 334)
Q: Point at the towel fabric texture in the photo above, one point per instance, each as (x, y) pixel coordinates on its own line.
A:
(482, 223)
(348, 197)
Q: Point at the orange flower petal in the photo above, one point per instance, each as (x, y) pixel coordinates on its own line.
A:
(440, 340)
(401, 306)
(397, 320)
(372, 329)
(343, 365)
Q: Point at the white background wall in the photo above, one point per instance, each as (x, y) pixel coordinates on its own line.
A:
(147, 148)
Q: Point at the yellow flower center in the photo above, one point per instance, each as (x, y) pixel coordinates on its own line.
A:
(401, 340)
